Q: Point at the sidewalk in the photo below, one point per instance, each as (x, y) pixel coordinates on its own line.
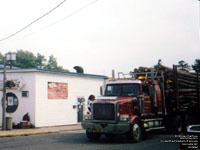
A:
(42, 130)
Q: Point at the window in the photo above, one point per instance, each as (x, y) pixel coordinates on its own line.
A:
(25, 93)
(122, 90)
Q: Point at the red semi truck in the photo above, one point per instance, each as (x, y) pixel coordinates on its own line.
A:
(151, 99)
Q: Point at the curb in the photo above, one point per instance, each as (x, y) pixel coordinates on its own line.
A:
(34, 133)
(23, 134)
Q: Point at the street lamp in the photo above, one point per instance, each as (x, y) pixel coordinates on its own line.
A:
(8, 58)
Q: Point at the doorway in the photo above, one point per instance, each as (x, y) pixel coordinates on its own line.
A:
(80, 107)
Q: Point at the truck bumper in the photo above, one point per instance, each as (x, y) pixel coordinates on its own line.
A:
(119, 128)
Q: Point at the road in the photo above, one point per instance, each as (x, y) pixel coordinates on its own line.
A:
(77, 140)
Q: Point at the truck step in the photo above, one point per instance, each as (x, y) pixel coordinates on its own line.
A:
(156, 128)
(156, 119)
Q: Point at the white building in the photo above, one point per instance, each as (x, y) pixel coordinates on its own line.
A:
(50, 98)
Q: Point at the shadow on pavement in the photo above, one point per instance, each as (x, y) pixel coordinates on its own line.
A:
(81, 138)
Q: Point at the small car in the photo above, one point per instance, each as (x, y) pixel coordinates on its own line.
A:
(193, 129)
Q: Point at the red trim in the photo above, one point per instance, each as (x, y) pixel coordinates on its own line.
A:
(133, 118)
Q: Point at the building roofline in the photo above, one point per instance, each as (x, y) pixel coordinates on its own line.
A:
(7, 67)
(55, 72)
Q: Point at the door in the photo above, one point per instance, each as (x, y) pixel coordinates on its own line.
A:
(80, 108)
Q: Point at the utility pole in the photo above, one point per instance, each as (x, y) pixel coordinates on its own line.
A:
(8, 57)
(4, 97)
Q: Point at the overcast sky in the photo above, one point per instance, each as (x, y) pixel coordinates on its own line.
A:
(102, 35)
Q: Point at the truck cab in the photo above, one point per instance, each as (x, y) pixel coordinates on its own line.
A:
(123, 109)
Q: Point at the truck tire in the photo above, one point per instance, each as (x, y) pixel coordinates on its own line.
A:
(187, 121)
(93, 136)
(174, 124)
(177, 124)
(136, 131)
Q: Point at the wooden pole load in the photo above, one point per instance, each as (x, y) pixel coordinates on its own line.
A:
(182, 87)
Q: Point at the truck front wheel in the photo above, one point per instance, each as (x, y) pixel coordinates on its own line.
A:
(136, 131)
(93, 136)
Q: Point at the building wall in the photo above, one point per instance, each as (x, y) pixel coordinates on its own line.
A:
(51, 112)
(44, 111)
(25, 104)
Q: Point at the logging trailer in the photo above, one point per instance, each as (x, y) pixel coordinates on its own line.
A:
(150, 99)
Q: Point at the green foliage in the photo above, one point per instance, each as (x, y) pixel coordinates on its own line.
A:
(40, 61)
(196, 65)
(182, 65)
(10, 84)
(53, 65)
(26, 59)
(1, 59)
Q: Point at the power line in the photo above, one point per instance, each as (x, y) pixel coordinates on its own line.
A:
(28, 25)
(65, 17)
(73, 13)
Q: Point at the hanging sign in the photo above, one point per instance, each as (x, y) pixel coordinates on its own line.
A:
(11, 102)
(57, 90)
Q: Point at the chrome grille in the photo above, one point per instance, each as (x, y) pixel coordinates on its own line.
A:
(104, 111)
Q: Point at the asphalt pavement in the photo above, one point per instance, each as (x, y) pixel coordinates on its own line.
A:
(77, 140)
(42, 130)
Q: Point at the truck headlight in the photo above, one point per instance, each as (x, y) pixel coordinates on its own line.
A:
(87, 117)
(124, 118)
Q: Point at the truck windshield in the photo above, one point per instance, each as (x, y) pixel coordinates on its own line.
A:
(122, 90)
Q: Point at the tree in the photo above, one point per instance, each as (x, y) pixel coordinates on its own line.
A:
(196, 65)
(25, 59)
(53, 65)
(182, 65)
(40, 61)
(1, 59)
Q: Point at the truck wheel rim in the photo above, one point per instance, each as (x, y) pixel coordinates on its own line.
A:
(136, 130)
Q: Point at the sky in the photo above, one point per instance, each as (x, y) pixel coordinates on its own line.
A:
(104, 35)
